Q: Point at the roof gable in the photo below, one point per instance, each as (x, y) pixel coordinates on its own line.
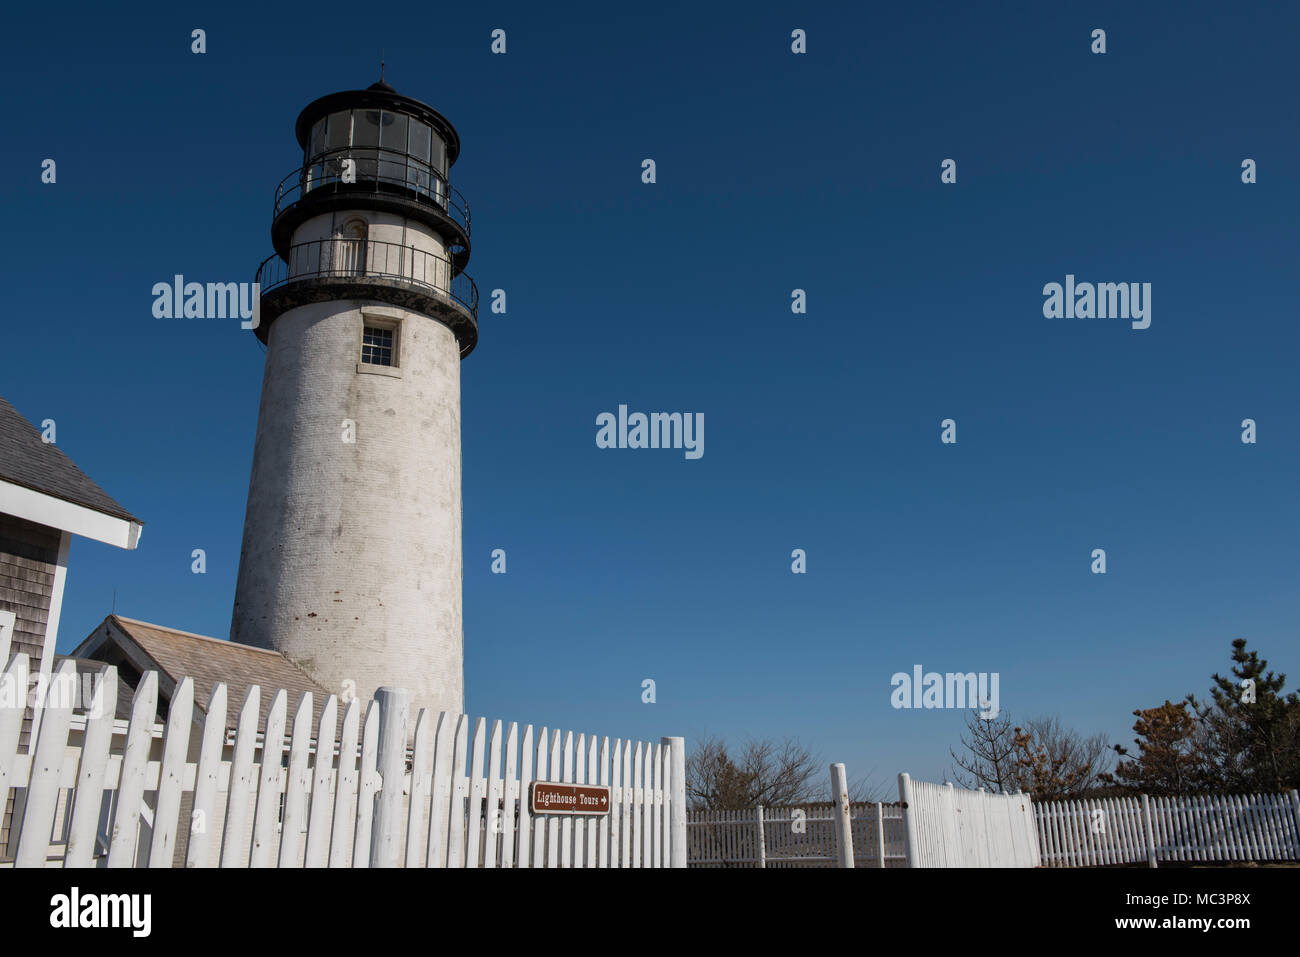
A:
(208, 661)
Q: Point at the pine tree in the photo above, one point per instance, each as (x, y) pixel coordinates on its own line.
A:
(1252, 728)
(1169, 760)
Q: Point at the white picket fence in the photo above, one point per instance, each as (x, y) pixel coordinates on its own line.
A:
(954, 827)
(798, 836)
(1203, 827)
(377, 798)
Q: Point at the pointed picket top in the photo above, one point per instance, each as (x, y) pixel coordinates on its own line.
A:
(176, 744)
(92, 771)
(345, 788)
(367, 786)
(459, 794)
(318, 822)
(266, 813)
(439, 805)
(233, 852)
(297, 783)
(135, 760)
(47, 764)
(417, 835)
(202, 820)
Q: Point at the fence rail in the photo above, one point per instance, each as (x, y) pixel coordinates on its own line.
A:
(447, 795)
(1205, 827)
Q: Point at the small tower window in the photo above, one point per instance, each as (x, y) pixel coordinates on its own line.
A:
(350, 253)
(377, 346)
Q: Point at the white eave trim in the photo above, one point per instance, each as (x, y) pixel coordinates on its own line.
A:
(66, 516)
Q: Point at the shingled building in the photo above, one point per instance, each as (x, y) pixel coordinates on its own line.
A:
(44, 501)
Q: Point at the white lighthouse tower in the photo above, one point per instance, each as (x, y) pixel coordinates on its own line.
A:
(351, 557)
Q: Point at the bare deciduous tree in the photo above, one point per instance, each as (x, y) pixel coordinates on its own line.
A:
(1041, 758)
(1053, 761)
(768, 772)
(989, 756)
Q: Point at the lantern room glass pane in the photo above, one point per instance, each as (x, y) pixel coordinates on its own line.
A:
(420, 141)
(365, 131)
(392, 167)
(417, 178)
(316, 144)
(392, 133)
(438, 156)
(339, 131)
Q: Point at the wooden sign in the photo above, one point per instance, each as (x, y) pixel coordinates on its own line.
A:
(549, 797)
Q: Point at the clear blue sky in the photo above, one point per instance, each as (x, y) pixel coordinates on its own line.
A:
(775, 171)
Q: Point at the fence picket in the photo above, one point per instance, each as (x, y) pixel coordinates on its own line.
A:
(459, 795)
(553, 822)
(241, 775)
(592, 778)
(1274, 827)
(130, 787)
(88, 797)
(267, 810)
(43, 782)
(538, 824)
(509, 796)
(579, 826)
(566, 824)
(625, 827)
(440, 796)
(602, 849)
(647, 796)
(616, 805)
(367, 785)
(417, 832)
(477, 796)
(637, 805)
(493, 784)
(294, 816)
(318, 817)
(525, 816)
(656, 807)
(346, 786)
(171, 775)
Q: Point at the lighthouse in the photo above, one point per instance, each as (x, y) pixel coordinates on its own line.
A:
(351, 560)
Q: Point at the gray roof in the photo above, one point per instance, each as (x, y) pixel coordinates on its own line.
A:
(26, 460)
(180, 654)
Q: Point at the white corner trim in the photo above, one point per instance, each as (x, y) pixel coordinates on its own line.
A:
(7, 619)
(54, 512)
(46, 664)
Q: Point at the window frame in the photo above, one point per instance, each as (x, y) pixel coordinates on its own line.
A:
(388, 319)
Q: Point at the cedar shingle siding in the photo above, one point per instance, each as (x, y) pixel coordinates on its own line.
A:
(28, 556)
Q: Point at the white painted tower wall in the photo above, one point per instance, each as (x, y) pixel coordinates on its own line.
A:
(351, 562)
